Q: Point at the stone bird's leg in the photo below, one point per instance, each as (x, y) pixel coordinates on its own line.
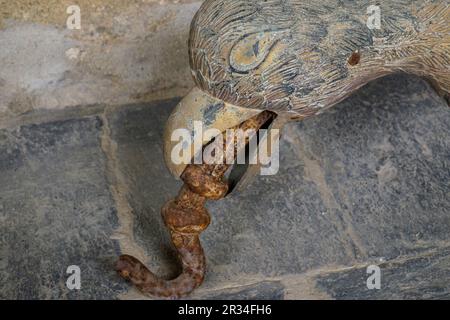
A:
(186, 217)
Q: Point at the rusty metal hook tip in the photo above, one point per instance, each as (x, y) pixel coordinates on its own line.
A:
(186, 217)
(193, 261)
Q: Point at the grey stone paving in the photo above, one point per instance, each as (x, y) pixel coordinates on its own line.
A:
(424, 277)
(365, 183)
(55, 211)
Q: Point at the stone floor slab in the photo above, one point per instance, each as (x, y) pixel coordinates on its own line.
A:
(368, 180)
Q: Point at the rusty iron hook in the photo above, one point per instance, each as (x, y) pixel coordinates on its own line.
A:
(186, 217)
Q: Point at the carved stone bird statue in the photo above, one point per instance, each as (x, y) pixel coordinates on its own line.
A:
(263, 63)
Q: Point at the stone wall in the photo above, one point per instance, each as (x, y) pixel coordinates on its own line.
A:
(125, 52)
